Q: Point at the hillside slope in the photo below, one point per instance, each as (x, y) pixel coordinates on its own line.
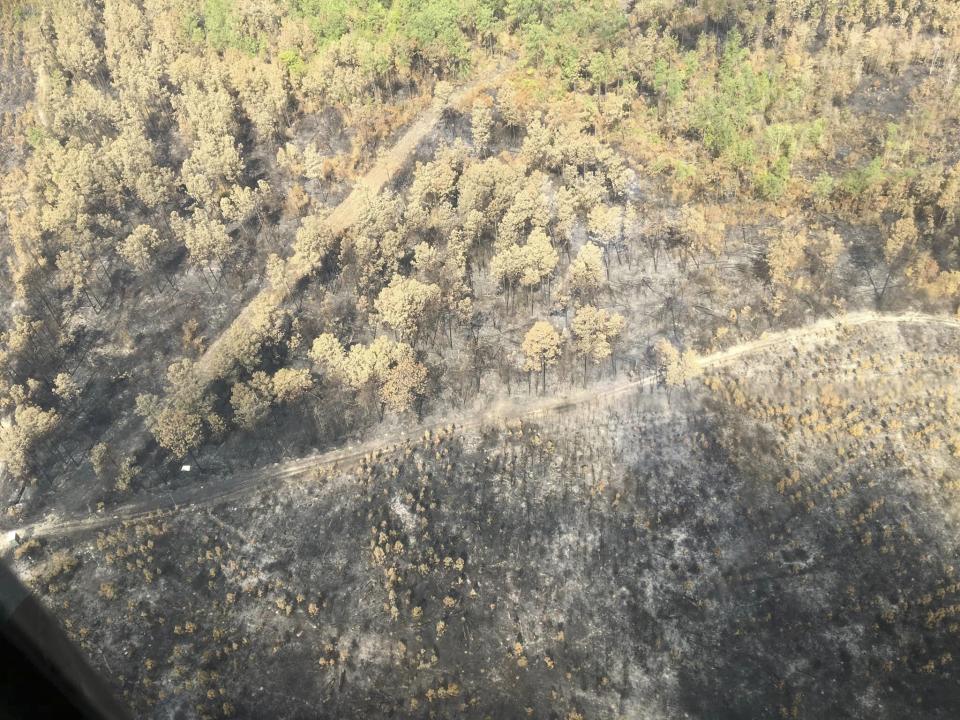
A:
(716, 546)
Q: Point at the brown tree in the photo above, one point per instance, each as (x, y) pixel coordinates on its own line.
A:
(407, 305)
(595, 332)
(585, 275)
(541, 347)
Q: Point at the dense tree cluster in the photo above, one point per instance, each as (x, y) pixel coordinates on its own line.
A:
(632, 173)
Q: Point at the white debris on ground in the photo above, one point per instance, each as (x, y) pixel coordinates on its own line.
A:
(403, 514)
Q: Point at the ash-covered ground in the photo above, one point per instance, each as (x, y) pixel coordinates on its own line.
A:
(777, 540)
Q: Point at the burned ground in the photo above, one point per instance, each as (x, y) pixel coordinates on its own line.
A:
(673, 554)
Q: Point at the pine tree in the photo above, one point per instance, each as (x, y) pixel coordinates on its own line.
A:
(481, 123)
(407, 305)
(595, 332)
(585, 275)
(541, 347)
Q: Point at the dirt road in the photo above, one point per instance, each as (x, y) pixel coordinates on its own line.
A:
(225, 489)
(219, 358)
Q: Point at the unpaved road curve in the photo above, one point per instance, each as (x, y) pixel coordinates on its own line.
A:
(218, 490)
